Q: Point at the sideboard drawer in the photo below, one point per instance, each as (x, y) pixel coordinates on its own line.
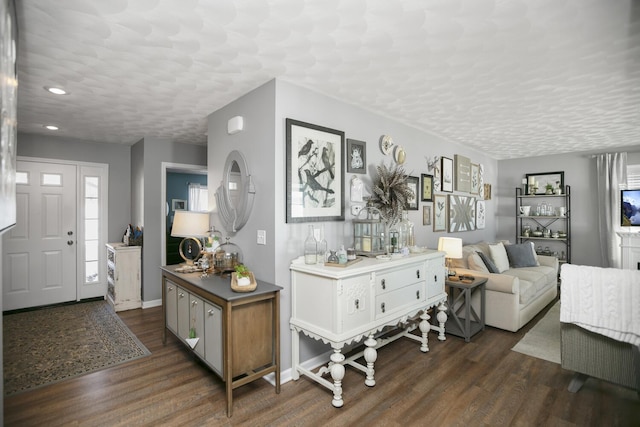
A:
(389, 281)
(391, 302)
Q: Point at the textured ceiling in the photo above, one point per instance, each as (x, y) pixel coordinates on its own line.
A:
(514, 78)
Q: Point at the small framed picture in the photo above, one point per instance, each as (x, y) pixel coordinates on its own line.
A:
(426, 215)
(446, 174)
(427, 188)
(440, 212)
(178, 204)
(475, 179)
(413, 183)
(356, 156)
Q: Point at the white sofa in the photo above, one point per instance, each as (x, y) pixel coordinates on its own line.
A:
(516, 295)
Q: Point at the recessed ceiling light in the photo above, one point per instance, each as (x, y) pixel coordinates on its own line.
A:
(56, 90)
(51, 127)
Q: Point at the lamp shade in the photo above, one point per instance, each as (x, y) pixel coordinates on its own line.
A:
(190, 224)
(452, 246)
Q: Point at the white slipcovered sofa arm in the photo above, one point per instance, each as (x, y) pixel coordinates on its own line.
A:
(548, 261)
(495, 282)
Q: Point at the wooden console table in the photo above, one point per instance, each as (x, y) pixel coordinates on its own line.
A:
(237, 334)
(340, 306)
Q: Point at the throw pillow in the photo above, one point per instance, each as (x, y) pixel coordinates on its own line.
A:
(520, 255)
(499, 257)
(476, 263)
(488, 263)
(535, 254)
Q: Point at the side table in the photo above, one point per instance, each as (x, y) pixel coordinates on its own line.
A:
(459, 302)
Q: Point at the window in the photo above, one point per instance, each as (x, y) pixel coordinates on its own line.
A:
(633, 176)
(198, 198)
(91, 228)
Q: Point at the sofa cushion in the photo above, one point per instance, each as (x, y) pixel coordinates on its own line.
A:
(488, 263)
(527, 292)
(541, 276)
(476, 263)
(499, 257)
(520, 255)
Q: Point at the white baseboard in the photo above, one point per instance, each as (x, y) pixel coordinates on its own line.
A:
(285, 376)
(152, 303)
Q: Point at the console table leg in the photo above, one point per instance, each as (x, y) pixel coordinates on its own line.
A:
(370, 355)
(337, 373)
(295, 354)
(442, 319)
(425, 327)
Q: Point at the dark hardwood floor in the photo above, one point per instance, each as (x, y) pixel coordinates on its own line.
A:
(481, 383)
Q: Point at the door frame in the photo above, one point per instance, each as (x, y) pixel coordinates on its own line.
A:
(167, 167)
(84, 169)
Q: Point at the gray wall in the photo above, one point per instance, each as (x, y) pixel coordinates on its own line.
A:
(255, 143)
(580, 173)
(118, 157)
(263, 143)
(147, 201)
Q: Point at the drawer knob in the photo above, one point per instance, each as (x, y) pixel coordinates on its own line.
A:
(382, 307)
(384, 284)
(194, 303)
(170, 288)
(181, 294)
(418, 274)
(357, 302)
(435, 278)
(417, 294)
(210, 312)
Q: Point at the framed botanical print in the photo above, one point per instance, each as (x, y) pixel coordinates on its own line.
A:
(427, 188)
(480, 214)
(426, 215)
(446, 174)
(440, 212)
(356, 156)
(315, 172)
(412, 203)
(475, 179)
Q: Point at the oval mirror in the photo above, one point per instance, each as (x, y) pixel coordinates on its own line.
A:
(236, 193)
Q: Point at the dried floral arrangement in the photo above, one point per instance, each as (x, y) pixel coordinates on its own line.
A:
(391, 192)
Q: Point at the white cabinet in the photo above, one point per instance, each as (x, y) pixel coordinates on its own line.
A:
(123, 276)
(630, 250)
(342, 306)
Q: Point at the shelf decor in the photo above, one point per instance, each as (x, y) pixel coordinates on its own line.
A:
(315, 173)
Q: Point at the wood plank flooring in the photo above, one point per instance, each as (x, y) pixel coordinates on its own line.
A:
(481, 383)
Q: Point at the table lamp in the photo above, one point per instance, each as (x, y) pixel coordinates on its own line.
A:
(192, 226)
(452, 246)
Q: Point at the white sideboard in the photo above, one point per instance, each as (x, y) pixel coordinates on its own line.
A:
(343, 305)
(123, 276)
(630, 250)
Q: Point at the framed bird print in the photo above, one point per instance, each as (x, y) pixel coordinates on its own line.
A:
(315, 172)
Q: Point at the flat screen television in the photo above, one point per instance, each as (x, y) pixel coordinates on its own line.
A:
(630, 208)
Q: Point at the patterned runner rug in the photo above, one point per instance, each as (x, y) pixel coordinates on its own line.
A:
(543, 340)
(52, 344)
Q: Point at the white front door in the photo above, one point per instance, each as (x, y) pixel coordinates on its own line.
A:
(39, 265)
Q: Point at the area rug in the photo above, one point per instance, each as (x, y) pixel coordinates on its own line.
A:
(543, 340)
(52, 344)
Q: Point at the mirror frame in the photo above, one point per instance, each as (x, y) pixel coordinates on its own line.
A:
(235, 217)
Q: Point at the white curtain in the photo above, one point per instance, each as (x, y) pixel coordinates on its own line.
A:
(611, 177)
(198, 197)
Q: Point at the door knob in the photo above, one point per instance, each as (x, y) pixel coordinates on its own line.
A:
(69, 242)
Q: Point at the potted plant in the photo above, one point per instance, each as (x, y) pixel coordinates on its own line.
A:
(243, 275)
(548, 188)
